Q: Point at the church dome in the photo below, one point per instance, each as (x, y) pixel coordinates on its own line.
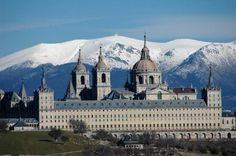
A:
(101, 65)
(80, 67)
(145, 64)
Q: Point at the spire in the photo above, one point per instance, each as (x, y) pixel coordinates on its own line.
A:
(22, 93)
(127, 85)
(70, 91)
(43, 85)
(210, 80)
(145, 39)
(100, 58)
(145, 50)
(80, 58)
(101, 65)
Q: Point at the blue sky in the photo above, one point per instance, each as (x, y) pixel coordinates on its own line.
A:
(24, 23)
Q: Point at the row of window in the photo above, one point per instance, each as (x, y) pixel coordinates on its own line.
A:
(122, 110)
(131, 115)
(138, 126)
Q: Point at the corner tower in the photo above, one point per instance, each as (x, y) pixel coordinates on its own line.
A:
(80, 77)
(211, 93)
(101, 79)
(44, 99)
(145, 73)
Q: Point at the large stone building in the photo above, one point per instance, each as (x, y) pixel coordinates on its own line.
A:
(147, 104)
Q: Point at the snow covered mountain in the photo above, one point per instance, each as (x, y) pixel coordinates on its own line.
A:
(183, 62)
(119, 52)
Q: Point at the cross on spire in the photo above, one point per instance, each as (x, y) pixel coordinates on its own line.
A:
(100, 52)
(145, 36)
(79, 59)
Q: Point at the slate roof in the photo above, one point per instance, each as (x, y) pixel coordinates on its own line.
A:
(106, 104)
(114, 95)
(183, 90)
(15, 120)
(21, 123)
(11, 97)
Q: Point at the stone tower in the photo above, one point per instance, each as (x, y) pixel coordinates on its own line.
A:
(212, 94)
(145, 73)
(44, 99)
(101, 79)
(80, 77)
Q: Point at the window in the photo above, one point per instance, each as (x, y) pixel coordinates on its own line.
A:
(159, 95)
(103, 78)
(140, 78)
(82, 80)
(151, 80)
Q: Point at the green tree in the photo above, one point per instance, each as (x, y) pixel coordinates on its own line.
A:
(78, 126)
(3, 126)
(104, 135)
(55, 134)
(64, 139)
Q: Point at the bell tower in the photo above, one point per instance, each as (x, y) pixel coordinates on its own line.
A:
(80, 77)
(211, 93)
(101, 78)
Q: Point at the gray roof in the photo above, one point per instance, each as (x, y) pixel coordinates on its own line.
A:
(11, 97)
(15, 120)
(107, 104)
(114, 95)
(20, 123)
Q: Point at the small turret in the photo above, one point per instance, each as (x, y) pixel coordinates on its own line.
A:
(70, 91)
(22, 93)
(43, 85)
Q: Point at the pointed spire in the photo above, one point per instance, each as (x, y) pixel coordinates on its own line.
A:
(100, 53)
(145, 39)
(210, 80)
(43, 85)
(145, 50)
(70, 91)
(80, 58)
(22, 93)
(127, 85)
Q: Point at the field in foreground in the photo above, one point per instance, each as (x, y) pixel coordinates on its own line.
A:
(16, 143)
(39, 143)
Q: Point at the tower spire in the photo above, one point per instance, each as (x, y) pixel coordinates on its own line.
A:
(43, 85)
(145, 50)
(210, 79)
(22, 92)
(80, 58)
(100, 53)
(70, 92)
(145, 39)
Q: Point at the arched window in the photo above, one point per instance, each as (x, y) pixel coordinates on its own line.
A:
(159, 95)
(82, 80)
(151, 80)
(140, 78)
(103, 78)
